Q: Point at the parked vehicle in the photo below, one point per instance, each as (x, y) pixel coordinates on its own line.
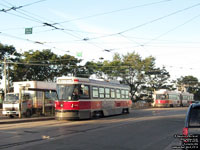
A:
(36, 97)
(191, 130)
(81, 98)
(166, 98)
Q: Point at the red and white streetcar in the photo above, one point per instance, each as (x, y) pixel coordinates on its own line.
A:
(166, 98)
(82, 98)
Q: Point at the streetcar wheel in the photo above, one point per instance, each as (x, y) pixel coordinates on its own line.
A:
(102, 115)
(125, 111)
(97, 114)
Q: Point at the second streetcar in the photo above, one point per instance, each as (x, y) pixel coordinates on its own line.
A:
(166, 98)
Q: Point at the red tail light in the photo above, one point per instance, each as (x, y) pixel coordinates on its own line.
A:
(185, 131)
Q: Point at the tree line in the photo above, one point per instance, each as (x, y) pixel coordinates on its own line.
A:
(141, 74)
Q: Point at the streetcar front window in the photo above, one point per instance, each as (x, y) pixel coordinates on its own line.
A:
(65, 92)
(73, 92)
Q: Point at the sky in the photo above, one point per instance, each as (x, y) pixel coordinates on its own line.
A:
(165, 29)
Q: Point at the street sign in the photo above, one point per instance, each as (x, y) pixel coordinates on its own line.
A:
(79, 54)
(28, 30)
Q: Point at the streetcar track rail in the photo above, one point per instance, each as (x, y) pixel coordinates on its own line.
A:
(108, 123)
(46, 137)
(75, 131)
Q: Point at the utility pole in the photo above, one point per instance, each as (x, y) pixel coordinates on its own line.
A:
(8, 75)
(20, 102)
(43, 103)
(5, 77)
(5, 74)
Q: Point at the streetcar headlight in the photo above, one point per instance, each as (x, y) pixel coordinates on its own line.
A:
(61, 105)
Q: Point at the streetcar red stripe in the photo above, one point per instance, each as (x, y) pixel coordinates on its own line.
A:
(162, 101)
(81, 105)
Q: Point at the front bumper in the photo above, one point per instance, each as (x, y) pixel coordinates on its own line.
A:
(66, 114)
(10, 112)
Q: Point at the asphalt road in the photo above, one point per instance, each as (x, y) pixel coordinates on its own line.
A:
(148, 129)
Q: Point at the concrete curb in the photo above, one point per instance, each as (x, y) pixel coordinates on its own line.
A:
(23, 120)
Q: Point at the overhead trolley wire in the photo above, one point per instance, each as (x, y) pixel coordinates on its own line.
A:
(148, 22)
(99, 14)
(27, 17)
(52, 25)
(173, 29)
(99, 66)
(19, 7)
(114, 11)
(160, 18)
(32, 41)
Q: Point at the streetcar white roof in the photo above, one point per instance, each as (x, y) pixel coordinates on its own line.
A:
(77, 80)
(165, 91)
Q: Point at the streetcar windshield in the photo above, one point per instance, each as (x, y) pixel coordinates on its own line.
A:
(73, 92)
(65, 92)
(161, 96)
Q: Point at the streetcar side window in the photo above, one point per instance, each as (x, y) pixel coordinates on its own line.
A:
(84, 92)
(118, 94)
(185, 97)
(171, 97)
(112, 93)
(123, 93)
(95, 92)
(107, 92)
(162, 96)
(174, 97)
(101, 92)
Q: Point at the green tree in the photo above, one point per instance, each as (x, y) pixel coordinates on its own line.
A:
(158, 78)
(43, 66)
(5, 56)
(130, 69)
(187, 81)
(67, 65)
(89, 69)
(189, 84)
